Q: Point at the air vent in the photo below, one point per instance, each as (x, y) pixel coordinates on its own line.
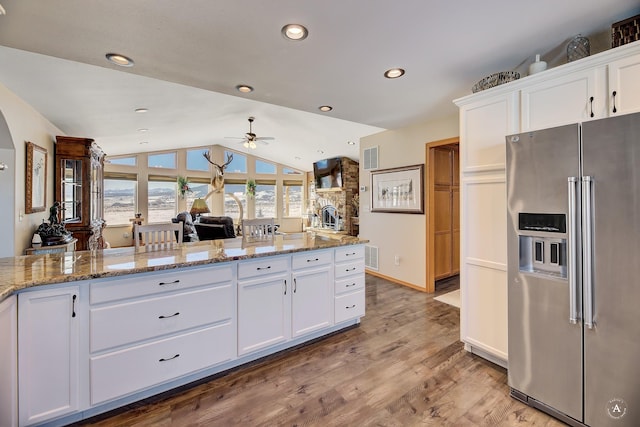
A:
(371, 257)
(370, 158)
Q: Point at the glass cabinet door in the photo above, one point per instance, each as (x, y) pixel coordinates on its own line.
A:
(71, 190)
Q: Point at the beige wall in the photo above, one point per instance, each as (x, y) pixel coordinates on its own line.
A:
(400, 235)
(25, 124)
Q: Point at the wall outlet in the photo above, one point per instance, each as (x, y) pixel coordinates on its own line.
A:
(363, 188)
(396, 260)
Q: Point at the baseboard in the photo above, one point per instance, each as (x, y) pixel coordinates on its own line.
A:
(394, 280)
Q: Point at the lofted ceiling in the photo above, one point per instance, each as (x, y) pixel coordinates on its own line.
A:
(190, 55)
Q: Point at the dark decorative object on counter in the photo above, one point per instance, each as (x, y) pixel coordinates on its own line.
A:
(54, 233)
(626, 31)
(578, 48)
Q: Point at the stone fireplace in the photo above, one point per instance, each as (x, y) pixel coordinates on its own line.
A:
(332, 208)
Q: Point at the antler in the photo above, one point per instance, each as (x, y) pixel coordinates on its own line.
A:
(221, 168)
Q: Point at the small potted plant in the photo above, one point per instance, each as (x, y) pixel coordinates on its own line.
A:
(183, 186)
(251, 188)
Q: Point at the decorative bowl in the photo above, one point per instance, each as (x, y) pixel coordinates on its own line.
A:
(495, 79)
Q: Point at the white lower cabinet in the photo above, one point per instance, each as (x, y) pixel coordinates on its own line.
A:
(135, 368)
(9, 362)
(264, 303)
(349, 283)
(152, 328)
(48, 353)
(85, 348)
(312, 296)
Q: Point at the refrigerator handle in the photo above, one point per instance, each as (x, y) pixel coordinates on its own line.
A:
(587, 213)
(574, 316)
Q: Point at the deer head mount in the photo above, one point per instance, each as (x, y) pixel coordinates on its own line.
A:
(218, 180)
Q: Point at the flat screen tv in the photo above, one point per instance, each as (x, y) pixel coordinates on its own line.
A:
(328, 173)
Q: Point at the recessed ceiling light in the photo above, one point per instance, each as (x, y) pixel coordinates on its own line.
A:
(320, 152)
(394, 73)
(121, 60)
(295, 32)
(144, 142)
(298, 158)
(351, 143)
(325, 108)
(244, 88)
(143, 130)
(141, 110)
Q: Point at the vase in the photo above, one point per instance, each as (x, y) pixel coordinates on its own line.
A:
(578, 48)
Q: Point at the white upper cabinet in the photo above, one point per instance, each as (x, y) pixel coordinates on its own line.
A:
(483, 126)
(624, 86)
(572, 98)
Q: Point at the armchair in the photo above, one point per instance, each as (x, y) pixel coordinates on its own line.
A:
(215, 227)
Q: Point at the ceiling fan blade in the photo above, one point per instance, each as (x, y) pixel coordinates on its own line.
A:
(235, 137)
(265, 138)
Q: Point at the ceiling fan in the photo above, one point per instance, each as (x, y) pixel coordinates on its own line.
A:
(250, 138)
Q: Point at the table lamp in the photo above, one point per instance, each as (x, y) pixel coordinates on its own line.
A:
(198, 207)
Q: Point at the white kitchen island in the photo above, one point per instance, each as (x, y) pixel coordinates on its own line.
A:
(99, 330)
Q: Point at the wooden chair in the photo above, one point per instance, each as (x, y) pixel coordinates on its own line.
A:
(158, 236)
(258, 229)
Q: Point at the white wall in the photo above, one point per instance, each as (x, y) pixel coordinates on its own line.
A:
(394, 234)
(25, 124)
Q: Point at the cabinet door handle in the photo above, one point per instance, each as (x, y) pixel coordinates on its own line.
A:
(168, 283)
(352, 306)
(264, 268)
(313, 260)
(615, 110)
(350, 269)
(352, 253)
(295, 285)
(170, 358)
(285, 286)
(348, 286)
(591, 102)
(73, 305)
(177, 313)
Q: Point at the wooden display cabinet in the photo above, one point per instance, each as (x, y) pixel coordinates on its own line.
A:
(79, 165)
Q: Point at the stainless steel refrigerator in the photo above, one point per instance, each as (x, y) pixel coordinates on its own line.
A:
(574, 270)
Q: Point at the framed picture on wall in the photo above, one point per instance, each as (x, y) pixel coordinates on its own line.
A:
(36, 179)
(398, 190)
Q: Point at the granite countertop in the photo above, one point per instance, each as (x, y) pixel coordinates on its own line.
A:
(22, 272)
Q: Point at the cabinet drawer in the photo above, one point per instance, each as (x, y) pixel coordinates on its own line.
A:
(349, 306)
(121, 324)
(349, 284)
(311, 259)
(349, 253)
(349, 269)
(155, 283)
(268, 265)
(123, 372)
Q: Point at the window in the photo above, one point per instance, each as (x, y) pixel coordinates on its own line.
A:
(289, 171)
(126, 161)
(265, 167)
(238, 164)
(265, 199)
(161, 199)
(235, 199)
(196, 160)
(292, 198)
(164, 160)
(119, 199)
(199, 189)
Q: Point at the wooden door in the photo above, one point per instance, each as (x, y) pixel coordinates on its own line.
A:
(443, 223)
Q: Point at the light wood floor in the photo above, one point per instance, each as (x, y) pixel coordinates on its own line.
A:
(403, 366)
